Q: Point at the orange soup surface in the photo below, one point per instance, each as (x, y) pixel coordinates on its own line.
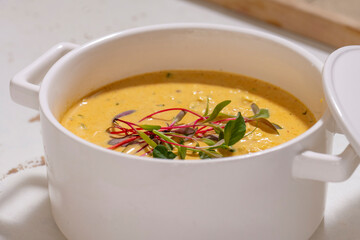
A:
(178, 107)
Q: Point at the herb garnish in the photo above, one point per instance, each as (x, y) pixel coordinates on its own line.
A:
(202, 137)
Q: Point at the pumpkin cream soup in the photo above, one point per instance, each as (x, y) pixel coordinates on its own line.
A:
(188, 115)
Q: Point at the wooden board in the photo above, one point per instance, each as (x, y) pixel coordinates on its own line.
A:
(334, 22)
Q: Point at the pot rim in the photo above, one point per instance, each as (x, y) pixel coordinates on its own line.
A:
(45, 109)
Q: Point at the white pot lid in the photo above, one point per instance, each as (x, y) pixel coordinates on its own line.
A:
(341, 81)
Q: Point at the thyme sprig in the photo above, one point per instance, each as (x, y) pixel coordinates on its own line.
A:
(202, 137)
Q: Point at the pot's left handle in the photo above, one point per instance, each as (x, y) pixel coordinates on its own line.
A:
(25, 85)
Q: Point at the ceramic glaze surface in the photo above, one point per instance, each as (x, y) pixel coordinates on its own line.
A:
(158, 196)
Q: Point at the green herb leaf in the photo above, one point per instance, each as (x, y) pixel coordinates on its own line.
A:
(169, 146)
(207, 107)
(211, 154)
(186, 131)
(207, 141)
(263, 113)
(218, 130)
(260, 115)
(276, 126)
(182, 152)
(123, 114)
(166, 138)
(150, 127)
(147, 139)
(255, 108)
(234, 130)
(203, 155)
(160, 151)
(217, 110)
(225, 115)
(269, 124)
(219, 144)
(163, 136)
(178, 117)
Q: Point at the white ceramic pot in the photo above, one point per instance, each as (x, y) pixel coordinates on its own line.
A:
(97, 193)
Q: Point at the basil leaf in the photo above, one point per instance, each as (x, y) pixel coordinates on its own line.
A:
(160, 151)
(234, 130)
(217, 110)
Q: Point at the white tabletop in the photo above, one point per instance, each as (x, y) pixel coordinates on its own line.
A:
(29, 28)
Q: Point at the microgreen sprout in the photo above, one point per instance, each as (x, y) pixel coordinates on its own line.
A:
(204, 136)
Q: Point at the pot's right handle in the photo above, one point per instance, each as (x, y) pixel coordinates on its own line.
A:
(24, 86)
(325, 167)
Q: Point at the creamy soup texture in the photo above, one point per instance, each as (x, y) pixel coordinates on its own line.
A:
(198, 91)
